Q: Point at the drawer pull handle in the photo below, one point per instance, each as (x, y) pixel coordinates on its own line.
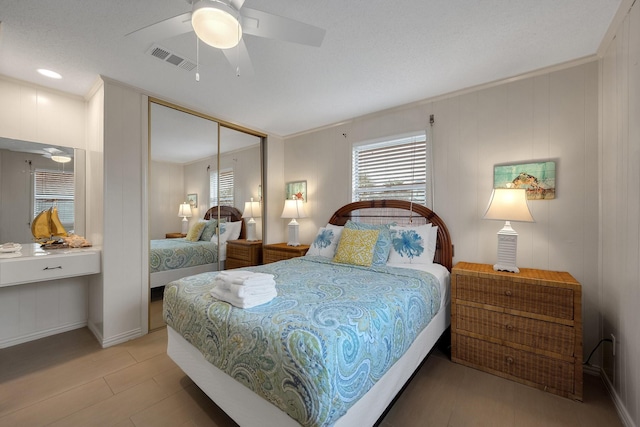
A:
(53, 268)
(507, 292)
(509, 360)
(509, 327)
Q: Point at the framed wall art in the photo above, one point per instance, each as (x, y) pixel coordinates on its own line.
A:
(296, 188)
(192, 199)
(539, 178)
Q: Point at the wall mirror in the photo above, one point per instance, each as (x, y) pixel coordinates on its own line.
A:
(34, 177)
(201, 162)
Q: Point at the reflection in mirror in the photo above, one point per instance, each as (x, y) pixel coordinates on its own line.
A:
(185, 168)
(35, 177)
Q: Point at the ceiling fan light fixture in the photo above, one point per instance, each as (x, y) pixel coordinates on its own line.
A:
(216, 24)
(61, 158)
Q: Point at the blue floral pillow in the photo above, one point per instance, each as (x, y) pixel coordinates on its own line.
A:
(325, 243)
(383, 245)
(413, 245)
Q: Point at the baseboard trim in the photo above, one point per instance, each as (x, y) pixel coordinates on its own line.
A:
(622, 410)
(120, 338)
(42, 334)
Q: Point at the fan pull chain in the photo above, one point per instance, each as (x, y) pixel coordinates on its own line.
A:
(197, 59)
(238, 47)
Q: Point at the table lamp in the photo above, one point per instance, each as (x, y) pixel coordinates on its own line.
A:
(251, 211)
(508, 204)
(185, 212)
(293, 208)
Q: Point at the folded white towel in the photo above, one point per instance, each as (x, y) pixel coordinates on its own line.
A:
(245, 278)
(246, 302)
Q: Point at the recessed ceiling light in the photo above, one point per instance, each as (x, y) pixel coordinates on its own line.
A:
(49, 73)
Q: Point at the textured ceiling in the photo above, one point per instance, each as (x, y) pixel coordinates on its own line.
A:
(375, 55)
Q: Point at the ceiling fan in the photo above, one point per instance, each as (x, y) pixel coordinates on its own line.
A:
(223, 23)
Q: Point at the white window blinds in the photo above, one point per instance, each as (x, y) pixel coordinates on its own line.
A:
(55, 188)
(225, 180)
(392, 169)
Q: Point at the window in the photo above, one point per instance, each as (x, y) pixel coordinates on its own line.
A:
(226, 188)
(391, 169)
(54, 188)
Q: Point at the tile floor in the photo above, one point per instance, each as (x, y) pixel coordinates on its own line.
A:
(68, 380)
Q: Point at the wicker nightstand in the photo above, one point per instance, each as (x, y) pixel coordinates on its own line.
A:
(279, 251)
(524, 326)
(242, 253)
(174, 235)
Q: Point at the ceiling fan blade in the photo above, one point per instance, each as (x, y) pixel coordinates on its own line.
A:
(237, 4)
(239, 59)
(263, 24)
(163, 30)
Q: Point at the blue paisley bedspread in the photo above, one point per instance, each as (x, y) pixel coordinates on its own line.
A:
(170, 254)
(321, 344)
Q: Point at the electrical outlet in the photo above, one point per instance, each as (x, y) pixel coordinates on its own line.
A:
(613, 342)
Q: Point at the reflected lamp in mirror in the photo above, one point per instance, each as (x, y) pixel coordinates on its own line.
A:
(508, 204)
(294, 209)
(251, 211)
(185, 212)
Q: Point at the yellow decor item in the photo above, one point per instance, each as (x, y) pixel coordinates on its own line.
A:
(195, 231)
(47, 225)
(356, 247)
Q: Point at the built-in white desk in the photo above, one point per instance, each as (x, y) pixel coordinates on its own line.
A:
(44, 292)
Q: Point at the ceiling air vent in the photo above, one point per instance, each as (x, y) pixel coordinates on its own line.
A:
(166, 55)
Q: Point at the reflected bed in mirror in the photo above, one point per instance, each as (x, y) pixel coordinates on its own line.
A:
(35, 177)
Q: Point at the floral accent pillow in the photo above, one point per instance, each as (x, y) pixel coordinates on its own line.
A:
(325, 243)
(229, 231)
(413, 245)
(357, 247)
(383, 245)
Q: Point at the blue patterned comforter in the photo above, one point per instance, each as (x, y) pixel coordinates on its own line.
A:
(170, 254)
(321, 344)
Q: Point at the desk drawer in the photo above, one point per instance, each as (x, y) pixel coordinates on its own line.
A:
(49, 267)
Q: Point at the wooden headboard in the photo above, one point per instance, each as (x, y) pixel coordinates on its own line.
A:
(402, 213)
(228, 213)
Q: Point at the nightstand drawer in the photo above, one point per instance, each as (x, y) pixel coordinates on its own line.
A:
(238, 253)
(546, 336)
(552, 374)
(510, 294)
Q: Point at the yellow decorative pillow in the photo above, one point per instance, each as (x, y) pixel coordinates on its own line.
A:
(356, 247)
(195, 231)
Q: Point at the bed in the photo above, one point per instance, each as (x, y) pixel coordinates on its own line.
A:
(172, 259)
(324, 311)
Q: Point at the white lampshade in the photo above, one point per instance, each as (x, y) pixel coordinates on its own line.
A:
(293, 208)
(251, 211)
(216, 24)
(508, 204)
(185, 212)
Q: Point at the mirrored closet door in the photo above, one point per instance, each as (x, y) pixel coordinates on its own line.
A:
(203, 172)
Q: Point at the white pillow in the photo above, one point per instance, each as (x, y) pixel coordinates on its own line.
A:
(326, 242)
(413, 244)
(229, 231)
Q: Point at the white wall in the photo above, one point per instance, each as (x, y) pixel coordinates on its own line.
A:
(620, 213)
(550, 116)
(166, 193)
